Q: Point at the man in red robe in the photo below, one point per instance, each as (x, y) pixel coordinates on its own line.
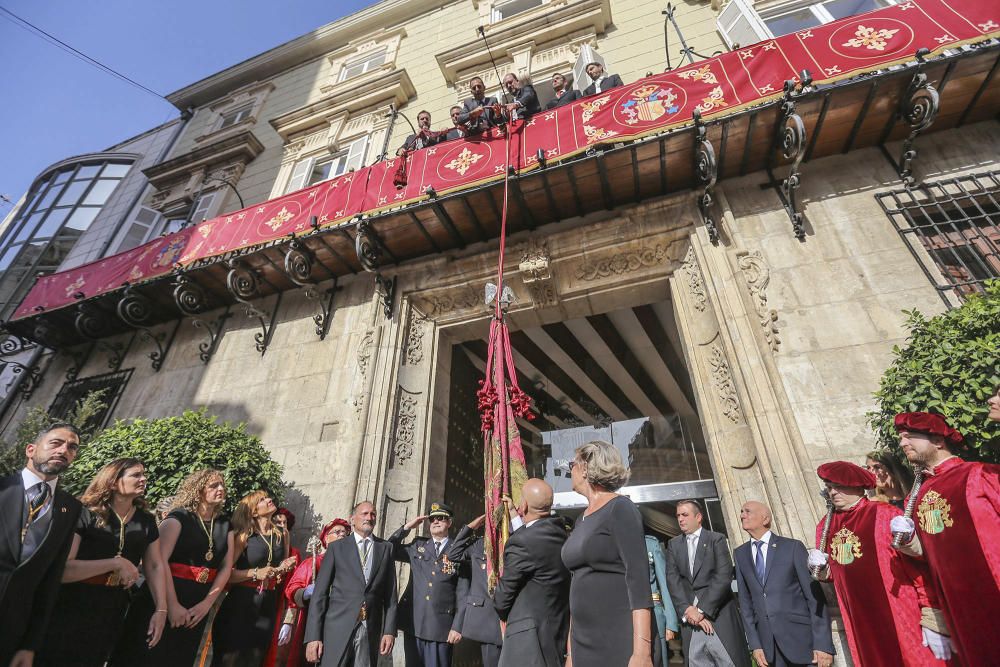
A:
(881, 593)
(299, 589)
(956, 529)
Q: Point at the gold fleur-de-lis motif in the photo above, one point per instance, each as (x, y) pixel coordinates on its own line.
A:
(465, 160)
(280, 218)
(703, 74)
(870, 38)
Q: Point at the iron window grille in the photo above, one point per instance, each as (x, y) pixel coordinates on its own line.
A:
(72, 392)
(952, 228)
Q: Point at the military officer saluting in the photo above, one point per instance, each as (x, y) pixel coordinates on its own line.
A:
(428, 606)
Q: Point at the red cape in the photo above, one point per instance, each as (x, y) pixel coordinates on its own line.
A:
(957, 515)
(880, 592)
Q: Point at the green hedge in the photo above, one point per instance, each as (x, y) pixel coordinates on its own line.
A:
(173, 447)
(950, 365)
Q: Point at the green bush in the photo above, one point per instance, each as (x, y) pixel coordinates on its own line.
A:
(950, 365)
(173, 447)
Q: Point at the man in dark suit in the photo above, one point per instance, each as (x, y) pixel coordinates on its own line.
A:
(352, 613)
(37, 519)
(525, 100)
(784, 612)
(563, 95)
(423, 137)
(532, 596)
(427, 608)
(477, 113)
(458, 131)
(476, 618)
(700, 576)
(602, 81)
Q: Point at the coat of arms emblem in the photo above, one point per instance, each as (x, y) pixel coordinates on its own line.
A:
(934, 513)
(168, 254)
(845, 547)
(649, 103)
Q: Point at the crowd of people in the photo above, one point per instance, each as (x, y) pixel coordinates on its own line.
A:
(480, 112)
(100, 580)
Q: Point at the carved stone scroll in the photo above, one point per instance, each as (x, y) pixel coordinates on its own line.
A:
(758, 276)
(621, 263)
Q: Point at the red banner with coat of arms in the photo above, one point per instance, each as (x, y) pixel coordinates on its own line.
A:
(715, 87)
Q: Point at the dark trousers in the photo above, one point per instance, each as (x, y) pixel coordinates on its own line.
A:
(424, 653)
(491, 654)
(781, 661)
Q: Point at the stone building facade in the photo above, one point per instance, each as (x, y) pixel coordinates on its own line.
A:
(748, 360)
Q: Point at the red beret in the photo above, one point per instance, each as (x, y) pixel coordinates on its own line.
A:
(330, 526)
(289, 517)
(928, 422)
(843, 473)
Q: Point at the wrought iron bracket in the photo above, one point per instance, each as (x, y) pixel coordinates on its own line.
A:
(189, 296)
(325, 301)
(243, 283)
(790, 139)
(387, 292)
(918, 107)
(80, 359)
(368, 247)
(214, 330)
(135, 310)
(117, 352)
(706, 170)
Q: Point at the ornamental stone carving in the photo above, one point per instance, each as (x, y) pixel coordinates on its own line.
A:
(622, 263)
(364, 359)
(725, 388)
(406, 427)
(415, 340)
(438, 304)
(758, 276)
(696, 286)
(536, 274)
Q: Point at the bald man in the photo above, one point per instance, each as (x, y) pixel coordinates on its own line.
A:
(784, 611)
(532, 596)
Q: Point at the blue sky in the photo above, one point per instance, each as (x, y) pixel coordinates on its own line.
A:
(55, 106)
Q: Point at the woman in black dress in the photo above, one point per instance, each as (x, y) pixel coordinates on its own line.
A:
(197, 544)
(244, 626)
(113, 535)
(610, 601)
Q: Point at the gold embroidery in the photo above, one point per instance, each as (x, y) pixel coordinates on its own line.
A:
(870, 38)
(934, 513)
(703, 74)
(713, 101)
(597, 133)
(279, 219)
(464, 161)
(845, 547)
(591, 108)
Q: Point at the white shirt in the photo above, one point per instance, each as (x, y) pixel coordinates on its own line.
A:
(30, 479)
(692, 547)
(598, 82)
(766, 539)
(366, 564)
(443, 543)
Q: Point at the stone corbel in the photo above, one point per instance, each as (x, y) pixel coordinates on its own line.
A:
(536, 273)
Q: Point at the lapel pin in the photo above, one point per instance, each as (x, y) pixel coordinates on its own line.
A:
(64, 509)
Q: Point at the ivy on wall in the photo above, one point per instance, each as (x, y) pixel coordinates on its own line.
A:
(950, 365)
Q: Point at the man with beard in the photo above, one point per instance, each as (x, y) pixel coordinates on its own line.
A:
(956, 529)
(37, 520)
(352, 614)
(563, 95)
(458, 131)
(423, 137)
(602, 81)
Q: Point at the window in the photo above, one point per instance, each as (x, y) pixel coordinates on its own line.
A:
(202, 208)
(365, 64)
(112, 385)
(741, 25)
(504, 10)
(235, 116)
(139, 229)
(317, 169)
(957, 222)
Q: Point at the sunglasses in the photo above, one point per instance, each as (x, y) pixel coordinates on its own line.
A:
(439, 518)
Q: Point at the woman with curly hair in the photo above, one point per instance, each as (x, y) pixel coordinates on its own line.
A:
(244, 625)
(113, 535)
(197, 543)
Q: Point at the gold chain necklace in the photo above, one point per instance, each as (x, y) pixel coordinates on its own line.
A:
(209, 532)
(122, 521)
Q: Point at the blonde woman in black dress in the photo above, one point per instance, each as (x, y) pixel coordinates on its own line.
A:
(197, 543)
(114, 535)
(244, 626)
(610, 600)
